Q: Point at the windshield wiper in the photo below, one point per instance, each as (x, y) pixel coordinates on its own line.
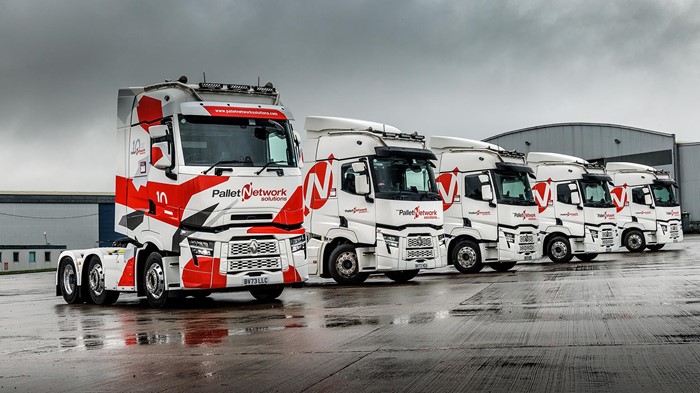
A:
(222, 162)
(268, 164)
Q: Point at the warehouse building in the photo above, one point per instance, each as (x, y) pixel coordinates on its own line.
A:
(35, 228)
(603, 143)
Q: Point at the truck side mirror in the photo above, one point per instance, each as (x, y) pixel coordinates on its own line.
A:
(486, 193)
(647, 199)
(160, 155)
(361, 184)
(158, 131)
(359, 167)
(297, 148)
(575, 198)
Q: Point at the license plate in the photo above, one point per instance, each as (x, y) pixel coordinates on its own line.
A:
(421, 265)
(674, 228)
(527, 238)
(262, 280)
(607, 242)
(674, 233)
(528, 257)
(527, 247)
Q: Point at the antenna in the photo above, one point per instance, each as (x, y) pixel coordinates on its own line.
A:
(204, 76)
(258, 81)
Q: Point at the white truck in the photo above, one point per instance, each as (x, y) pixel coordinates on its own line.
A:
(371, 201)
(577, 216)
(208, 195)
(490, 213)
(646, 202)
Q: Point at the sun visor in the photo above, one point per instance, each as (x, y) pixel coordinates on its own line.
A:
(404, 152)
(514, 167)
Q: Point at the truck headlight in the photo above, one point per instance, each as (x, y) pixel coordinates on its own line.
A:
(298, 243)
(664, 228)
(510, 237)
(441, 239)
(391, 240)
(594, 234)
(202, 248)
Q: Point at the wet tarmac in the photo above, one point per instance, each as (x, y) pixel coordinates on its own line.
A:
(622, 323)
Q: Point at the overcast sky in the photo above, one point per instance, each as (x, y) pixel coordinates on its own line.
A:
(463, 68)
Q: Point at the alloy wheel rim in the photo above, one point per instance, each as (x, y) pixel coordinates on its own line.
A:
(69, 279)
(559, 250)
(466, 257)
(96, 280)
(346, 264)
(155, 281)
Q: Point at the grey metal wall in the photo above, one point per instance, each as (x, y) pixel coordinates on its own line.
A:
(72, 225)
(689, 160)
(592, 141)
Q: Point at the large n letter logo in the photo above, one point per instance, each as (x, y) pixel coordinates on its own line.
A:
(619, 197)
(318, 185)
(448, 188)
(543, 194)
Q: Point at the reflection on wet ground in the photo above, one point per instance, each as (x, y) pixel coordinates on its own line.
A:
(543, 326)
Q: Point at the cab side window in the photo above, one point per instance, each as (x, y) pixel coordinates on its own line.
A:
(563, 193)
(638, 195)
(347, 175)
(472, 187)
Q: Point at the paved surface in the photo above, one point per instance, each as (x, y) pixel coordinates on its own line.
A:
(623, 323)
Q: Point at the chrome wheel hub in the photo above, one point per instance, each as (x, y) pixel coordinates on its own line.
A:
(466, 257)
(96, 279)
(155, 281)
(69, 279)
(559, 250)
(346, 264)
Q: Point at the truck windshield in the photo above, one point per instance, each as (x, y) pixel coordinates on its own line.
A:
(403, 178)
(207, 140)
(596, 194)
(664, 195)
(513, 188)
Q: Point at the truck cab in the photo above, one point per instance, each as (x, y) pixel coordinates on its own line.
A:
(577, 215)
(208, 195)
(646, 202)
(490, 213)
(371, 201)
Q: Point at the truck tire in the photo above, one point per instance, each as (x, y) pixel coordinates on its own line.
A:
(267, 293)
(344, 266)
(634, 241)
(502, 266)
(402, 276)
(68, 281)
(585, 257)
(466, 257)
(96, 285)
(154, 281)
(559, 249)
(655, 247)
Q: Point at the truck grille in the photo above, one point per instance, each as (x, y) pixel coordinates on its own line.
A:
(253, 248)
(419, 242)
(426, 253)
(607, 234)
(239, 265)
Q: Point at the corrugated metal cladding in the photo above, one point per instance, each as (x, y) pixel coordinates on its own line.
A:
(76, 221)
(689, 160)
(595, 142)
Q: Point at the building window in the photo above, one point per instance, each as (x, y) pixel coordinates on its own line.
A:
(47, 256)
(32, 256)
(15, 256)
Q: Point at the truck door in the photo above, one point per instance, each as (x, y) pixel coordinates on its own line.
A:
(568, 210)
(479, 207)
(641, 209)
(355, 210)
(136, 189)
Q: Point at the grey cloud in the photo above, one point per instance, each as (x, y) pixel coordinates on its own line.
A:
(461, 68)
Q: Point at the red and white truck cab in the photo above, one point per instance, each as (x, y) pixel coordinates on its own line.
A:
(208, 195)
(646, 202)
(371, 200)
(577, 215)
(490, 213)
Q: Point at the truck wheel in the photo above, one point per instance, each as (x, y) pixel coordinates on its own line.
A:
(154, 280)
(466, 257)
(559, 249)
(585, 257)
(96, 285)
(502, 266)
(267, 293)
(344, 266)
(402, 276)
(655, 247)
(68, 281)
(634, 241)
